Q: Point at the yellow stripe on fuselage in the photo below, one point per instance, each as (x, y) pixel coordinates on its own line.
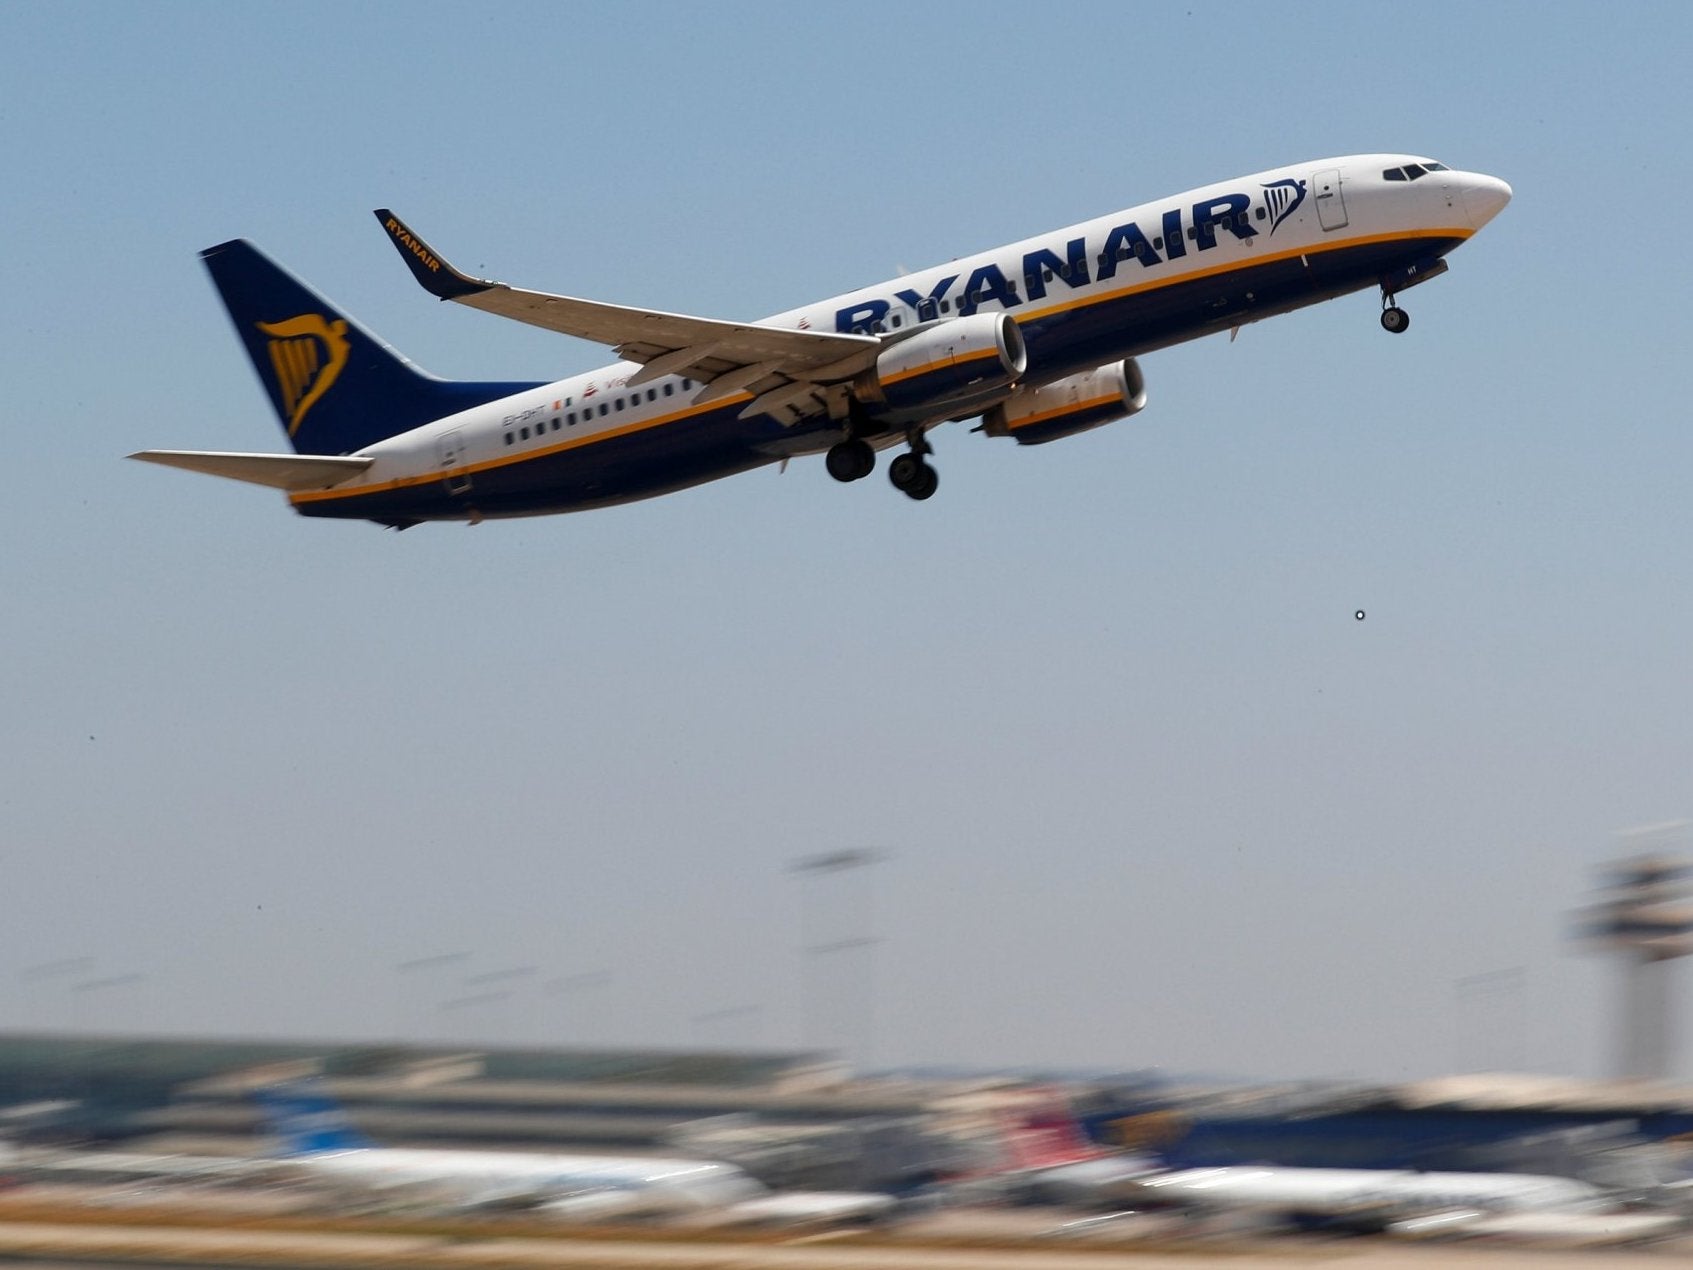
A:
(506, 460)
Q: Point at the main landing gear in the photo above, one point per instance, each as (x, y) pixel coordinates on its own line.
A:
(853, 459)
(910, 475)
(1393, 318)
(850, 460)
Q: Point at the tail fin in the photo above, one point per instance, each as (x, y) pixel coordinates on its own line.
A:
(308, 1121)
(335, 386)
(1045, 1133)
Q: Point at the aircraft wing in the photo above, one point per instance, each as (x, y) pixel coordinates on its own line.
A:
(291, 472)
(783, 369)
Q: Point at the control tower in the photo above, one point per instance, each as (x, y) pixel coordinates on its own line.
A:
(1644, 913)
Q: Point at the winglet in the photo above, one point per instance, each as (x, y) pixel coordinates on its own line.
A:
(438, 277)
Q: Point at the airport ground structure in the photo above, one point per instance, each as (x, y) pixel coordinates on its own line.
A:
(790, 1119)
(796, 1119)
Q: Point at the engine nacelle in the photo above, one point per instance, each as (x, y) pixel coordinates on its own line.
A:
(950, 362)
(1069, 405)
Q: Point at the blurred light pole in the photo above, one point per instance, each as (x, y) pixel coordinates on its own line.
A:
(830, 936)
(457, 1016)
(417, 1002)
(98, 1008)
(722, 1022)
(1493, 1020)
(46, 980)
(569, 987)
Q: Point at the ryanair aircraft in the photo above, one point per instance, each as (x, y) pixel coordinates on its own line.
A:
(1039, 339)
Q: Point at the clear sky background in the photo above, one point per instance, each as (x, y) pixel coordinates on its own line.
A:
(1149, 794)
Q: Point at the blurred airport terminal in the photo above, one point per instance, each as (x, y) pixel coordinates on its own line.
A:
(1039, 1158)
(799, 1119)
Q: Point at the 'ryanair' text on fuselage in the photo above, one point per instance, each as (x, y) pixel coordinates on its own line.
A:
(1123, 243)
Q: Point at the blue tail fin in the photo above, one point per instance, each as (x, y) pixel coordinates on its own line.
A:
(308, 1121)
(336, 387)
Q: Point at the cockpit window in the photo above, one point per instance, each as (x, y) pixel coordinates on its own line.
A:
(1411, 171)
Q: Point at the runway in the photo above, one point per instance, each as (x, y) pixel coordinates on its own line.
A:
(62, 1244)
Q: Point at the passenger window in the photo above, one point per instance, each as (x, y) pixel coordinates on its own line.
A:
(687, 383)
(1261, 213)
(570, 419)
(1048, 274)
(946, 306)
(603, 409)
(508, 438)
(1158, 243)
(524, 433)
(896, 319)
(555, 423)
(652, 394)
(667, 389)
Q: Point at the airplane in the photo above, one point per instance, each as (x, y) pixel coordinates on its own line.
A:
(1367, 1199)
(320, 1144)
(1041, 1155)
(1575, 1229)
(1040, 339)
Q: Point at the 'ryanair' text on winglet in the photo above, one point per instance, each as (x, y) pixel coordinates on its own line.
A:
(438, 277)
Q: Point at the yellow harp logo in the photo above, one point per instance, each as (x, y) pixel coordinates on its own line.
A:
(307, 353)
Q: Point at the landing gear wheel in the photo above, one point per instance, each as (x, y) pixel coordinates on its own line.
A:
(850, 460)
(1395, 319)
(905, 471)
(913, 477)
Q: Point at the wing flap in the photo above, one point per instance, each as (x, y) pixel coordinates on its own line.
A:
(292, 472)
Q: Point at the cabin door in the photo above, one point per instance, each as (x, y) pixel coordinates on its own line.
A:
(1331, 204)
(452, 463)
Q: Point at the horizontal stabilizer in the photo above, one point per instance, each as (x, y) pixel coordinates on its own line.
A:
(291, 472)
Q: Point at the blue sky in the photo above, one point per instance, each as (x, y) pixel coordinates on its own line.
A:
(1149, 794)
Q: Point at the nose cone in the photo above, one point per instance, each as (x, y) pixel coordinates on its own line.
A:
(1484, 197)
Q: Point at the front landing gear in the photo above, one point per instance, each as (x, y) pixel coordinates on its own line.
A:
(910, 475)
(1393, 318)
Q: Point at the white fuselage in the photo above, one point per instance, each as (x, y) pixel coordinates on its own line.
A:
(502, 1177)
(1338, 1192)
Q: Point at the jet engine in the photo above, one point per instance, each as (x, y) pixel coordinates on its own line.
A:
(1069, 405)
(949, 362)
